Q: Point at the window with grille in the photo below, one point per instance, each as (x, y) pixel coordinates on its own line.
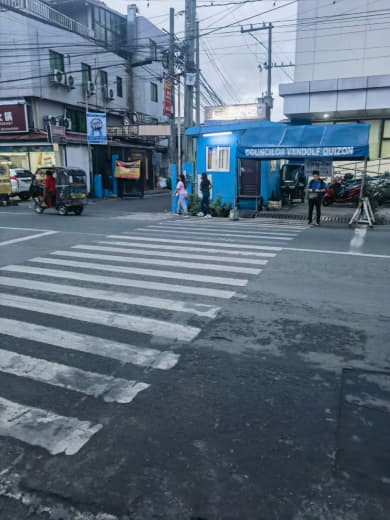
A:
(119, 87)
(86, 73)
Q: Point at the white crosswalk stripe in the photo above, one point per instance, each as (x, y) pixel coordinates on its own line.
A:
(121, 282)
(81, 286)
(112, 296)
(111, 389)
(169, 263)
(134, 250)
(186, 231)
(249, 232)
(74, 341)
(56, 433)
(160, 247)
(143, 272)
(237, 245)
(132, 323)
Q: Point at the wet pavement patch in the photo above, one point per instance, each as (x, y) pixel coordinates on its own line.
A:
(363, 448)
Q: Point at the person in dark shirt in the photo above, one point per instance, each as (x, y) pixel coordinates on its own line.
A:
(205, 187)
(316, 189)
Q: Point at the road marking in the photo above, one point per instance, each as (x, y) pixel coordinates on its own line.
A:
(232, 232)
(122, 282)
(37, 427)
(134, 244)
(217, 234)
(347, 253)
(144, 252)
(22, 239)
(200, 242)
(22, 228)
(357, 241)
(271, 223)
(142, 272)
(111, 389)
(112, 296)
(159, 328)
(123, 352)
(160, 262)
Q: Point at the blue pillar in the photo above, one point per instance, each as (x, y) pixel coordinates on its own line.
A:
(188, 168)
(98, 186)
(174, 182)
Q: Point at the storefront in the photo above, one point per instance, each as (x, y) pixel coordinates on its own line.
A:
(242, 159)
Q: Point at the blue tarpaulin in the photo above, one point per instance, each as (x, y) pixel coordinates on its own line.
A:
(281, 141)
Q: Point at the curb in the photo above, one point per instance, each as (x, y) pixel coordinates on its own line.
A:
(332, 220)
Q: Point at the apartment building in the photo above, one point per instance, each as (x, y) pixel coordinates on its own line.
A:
(57, 65)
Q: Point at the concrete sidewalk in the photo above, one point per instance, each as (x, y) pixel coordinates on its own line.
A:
(336, 213)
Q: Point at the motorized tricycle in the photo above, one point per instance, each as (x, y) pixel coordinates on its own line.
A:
(69, 193)
(5, 181)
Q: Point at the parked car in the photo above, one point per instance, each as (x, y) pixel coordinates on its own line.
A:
(21, 180)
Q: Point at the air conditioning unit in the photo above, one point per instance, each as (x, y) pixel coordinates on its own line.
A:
(53, 120)
(108, 93)
(70, 82)
(58, 77)
(67, 123)
(91, 88)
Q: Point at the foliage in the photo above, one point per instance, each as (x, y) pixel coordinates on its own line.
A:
(194, 204)
(218, 209)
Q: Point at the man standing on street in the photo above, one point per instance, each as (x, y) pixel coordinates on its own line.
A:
(316, 189)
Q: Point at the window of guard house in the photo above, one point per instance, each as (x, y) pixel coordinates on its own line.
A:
(218, 158)
(375, 137)
(56, 61)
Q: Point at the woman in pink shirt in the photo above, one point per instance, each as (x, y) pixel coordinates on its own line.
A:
(182, 195)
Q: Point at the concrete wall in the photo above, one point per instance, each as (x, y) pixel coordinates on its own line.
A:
(29, 64)
(351, 42)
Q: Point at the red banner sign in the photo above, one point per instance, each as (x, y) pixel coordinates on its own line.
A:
(167, 100)
(13, 118)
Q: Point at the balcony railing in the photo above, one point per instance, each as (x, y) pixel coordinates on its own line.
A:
(47, 13)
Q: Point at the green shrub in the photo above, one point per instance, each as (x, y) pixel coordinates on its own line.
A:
(169, 183)
(194, 204)
(218, 209)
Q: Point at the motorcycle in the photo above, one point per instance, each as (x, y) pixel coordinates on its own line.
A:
(342, 191)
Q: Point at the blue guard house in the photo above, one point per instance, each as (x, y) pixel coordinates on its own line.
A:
(242, 158)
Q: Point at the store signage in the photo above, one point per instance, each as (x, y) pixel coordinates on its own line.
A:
(13, 117)
(302, 152)
(236, 112)
(96, 128)
(154, 130)
(167, 99)
(322, 166)
(128, 170)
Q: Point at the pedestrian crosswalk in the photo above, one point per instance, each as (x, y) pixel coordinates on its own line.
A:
(70, 320)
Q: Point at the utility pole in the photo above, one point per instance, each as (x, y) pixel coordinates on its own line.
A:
(172, 140)
(268, 99)
(197, 75)
(190, 74)
(179, 128)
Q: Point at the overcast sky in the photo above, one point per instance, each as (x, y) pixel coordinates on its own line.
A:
(230, 59)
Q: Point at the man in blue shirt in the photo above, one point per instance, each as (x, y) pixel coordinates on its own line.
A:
(316, 189)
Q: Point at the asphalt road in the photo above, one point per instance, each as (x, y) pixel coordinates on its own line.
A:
(154, 367)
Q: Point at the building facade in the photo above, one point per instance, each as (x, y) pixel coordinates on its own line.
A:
(54, 68)
(342, 71)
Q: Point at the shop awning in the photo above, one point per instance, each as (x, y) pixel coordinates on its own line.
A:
(281, 141)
